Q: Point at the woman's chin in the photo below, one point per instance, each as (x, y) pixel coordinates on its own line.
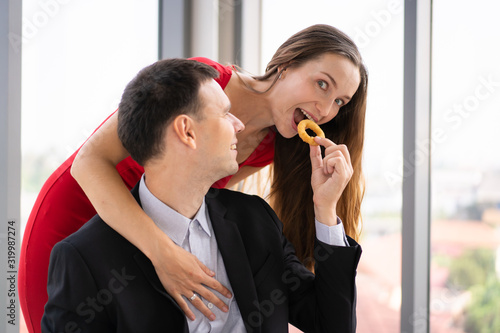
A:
(289, 133)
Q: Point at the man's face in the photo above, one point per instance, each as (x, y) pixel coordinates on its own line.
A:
(217, 131)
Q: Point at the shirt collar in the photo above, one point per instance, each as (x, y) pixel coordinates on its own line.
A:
(171, 222)
(203, 218)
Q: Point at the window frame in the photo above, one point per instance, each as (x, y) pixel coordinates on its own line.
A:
(10, 155)
(415, 268)
(416, 134)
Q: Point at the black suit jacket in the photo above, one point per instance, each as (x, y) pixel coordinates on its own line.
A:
(99, 282)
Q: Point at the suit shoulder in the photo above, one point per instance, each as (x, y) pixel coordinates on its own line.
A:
(242, 206)
(95, 235)
(232, 198)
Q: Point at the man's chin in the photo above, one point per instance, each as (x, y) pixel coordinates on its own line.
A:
(234, 170)
(230, 171)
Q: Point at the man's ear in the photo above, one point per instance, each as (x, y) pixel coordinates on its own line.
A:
(184, 127)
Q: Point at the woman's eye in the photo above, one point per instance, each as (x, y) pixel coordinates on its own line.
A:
(322, 84)
(339, 102)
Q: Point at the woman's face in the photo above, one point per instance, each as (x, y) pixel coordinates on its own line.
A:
(316, 90)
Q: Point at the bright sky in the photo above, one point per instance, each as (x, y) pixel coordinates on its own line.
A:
(77, 63)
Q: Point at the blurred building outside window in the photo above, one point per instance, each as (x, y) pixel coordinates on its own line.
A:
(465, 231)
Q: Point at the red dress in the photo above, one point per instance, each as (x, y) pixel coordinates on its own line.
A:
(62, 207)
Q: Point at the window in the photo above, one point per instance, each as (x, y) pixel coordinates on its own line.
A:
(377, 29)
(77, 58)
(465, 247)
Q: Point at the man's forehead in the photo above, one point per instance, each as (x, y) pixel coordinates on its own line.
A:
(214, 95)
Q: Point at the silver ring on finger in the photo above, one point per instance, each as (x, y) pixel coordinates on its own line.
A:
(192, 298)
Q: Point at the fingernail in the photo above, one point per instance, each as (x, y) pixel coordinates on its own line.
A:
(212, 317)
(225, 309)
(228, 295)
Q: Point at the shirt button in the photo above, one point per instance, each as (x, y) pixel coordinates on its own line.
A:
(210, 305)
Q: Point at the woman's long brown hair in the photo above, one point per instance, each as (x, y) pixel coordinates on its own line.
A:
(291, 193)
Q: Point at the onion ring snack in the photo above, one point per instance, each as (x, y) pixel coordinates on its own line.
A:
(301, 129)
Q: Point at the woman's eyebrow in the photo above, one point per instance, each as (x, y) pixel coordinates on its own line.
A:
(347, 98)
(331, 78)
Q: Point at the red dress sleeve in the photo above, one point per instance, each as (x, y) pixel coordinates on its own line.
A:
(225, 72)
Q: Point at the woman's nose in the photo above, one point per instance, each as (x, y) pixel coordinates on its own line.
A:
(327, 108)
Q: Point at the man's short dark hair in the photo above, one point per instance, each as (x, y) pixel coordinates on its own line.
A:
(158, 94)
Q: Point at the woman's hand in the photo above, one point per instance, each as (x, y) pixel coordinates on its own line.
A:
(182, 274)
(330, 176)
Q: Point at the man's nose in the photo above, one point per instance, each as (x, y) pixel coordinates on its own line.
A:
(237, 124)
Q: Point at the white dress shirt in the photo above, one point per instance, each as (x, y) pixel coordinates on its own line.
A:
(197, 237)
(331, 235)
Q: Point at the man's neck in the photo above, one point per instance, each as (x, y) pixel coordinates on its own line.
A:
(180, 192)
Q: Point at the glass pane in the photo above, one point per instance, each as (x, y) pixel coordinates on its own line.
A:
(77, 58)
(465, 265)
(377, 29)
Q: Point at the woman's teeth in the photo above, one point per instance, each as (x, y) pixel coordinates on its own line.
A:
(233, 146)
(307, 115)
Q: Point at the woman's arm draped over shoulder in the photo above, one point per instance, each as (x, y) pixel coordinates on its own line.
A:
(94, 168)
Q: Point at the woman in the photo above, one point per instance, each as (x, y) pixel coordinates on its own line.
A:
(317, 73)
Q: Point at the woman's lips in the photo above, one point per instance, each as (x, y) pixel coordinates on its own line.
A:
(297, 116)
(294, 125)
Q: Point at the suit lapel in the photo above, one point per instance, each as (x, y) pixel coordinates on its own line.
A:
(145, 264)
(148, 269)
(149, 272)
(235, 259)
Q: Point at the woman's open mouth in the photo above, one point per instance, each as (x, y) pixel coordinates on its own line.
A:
(299, 115)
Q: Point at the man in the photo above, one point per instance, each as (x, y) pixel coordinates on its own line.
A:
(174, 120)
